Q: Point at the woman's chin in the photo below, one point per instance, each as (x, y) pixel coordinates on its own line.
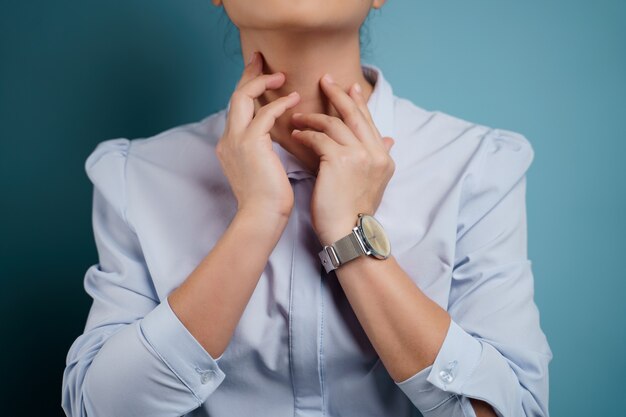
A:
(299, 15)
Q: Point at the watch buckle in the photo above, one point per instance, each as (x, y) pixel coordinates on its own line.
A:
(332, 255)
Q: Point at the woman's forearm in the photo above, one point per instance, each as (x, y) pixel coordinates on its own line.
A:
(405, 327)
(211, 300)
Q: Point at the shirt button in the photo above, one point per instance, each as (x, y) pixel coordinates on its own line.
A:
(446, 376)
(206, 377)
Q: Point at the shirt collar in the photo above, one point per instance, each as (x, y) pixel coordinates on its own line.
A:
(380, 104)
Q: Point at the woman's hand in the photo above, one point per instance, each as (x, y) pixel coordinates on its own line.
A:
(254, 171)
(355, 165)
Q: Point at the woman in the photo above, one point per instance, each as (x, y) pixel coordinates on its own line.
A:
(210, 297)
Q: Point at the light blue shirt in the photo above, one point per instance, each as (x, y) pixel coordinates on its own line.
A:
(455, 213)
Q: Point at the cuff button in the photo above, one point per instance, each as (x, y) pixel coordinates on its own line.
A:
(446, 377)
(205, 376)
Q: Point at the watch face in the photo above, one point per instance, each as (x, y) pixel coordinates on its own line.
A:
(375, 236)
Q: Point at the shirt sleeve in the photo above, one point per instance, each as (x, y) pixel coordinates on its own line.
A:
(494, 349)
(135, 357)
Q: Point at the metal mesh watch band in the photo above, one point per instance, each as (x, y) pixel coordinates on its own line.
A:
(342, 251)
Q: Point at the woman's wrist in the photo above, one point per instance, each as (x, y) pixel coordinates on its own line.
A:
(263, 219)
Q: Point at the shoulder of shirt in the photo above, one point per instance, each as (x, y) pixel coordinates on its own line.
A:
(106, 165)
(485, 146)
(207, 129)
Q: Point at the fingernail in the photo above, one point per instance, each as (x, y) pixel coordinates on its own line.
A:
(252, 58)
(293, 94)
(296, 115)
(357, 87)
(296, 131)
(328, 78)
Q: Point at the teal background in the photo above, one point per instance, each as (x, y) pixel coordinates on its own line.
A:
(74, 73)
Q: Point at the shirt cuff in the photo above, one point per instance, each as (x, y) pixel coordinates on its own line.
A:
(442, 382)
(181, 352)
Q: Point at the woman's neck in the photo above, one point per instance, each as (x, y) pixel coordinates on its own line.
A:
(304, 57)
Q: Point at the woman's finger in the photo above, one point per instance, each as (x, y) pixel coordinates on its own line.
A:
(319, 142)
(242, 100)
(356, 92)
(251, 70)
(357, 95)
(350, 112)
(266, 116)
(236, 116)
(332, 126)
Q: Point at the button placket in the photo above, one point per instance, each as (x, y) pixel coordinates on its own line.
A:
(304, 314)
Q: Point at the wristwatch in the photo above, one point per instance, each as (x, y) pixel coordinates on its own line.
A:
(367, 238)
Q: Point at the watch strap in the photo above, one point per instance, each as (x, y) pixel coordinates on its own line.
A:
(343, 250)
(348, 248)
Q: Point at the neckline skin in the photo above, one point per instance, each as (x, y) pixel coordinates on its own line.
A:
(380, 105)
